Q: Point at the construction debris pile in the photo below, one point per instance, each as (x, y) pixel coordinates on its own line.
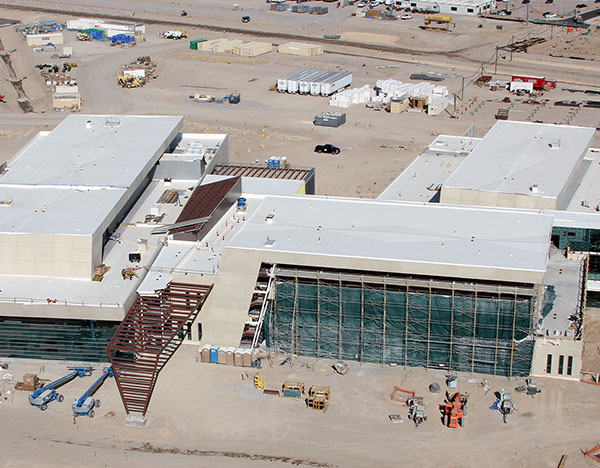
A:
(395, 97)
(59, 81)
(138, 73)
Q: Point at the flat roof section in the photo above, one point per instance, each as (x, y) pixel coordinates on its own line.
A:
(43, 210)
(586, 198)
(408, 233)
(514, 156)
(94, 150)
(423, 178)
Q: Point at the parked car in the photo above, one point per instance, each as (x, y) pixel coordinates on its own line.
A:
(525, 2)
(548, 2)
(406, 17)
(327, 149)
(361, 5)
(245, 19)
(581, 5)
(549, 14)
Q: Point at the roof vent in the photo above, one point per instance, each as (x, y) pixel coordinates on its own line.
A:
(6, 202)
(112, 122)
(269, 242)
(269, 218)
(555, 144)
(534, 188)
(88, 124)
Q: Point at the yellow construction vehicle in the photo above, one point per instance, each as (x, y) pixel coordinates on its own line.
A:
(259, 382)
(438, 22)
(129, 81)
(81, 36)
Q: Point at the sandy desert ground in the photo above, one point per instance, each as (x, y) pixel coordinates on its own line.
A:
(206, 415)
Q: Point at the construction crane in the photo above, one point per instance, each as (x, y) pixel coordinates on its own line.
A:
(455, 409)
(84, 405)
(47, 394)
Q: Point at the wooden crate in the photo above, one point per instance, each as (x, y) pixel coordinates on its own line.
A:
(317, 390)
(317, 402)
(291, 389)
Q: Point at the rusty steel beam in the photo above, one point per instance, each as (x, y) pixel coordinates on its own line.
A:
(147, 338)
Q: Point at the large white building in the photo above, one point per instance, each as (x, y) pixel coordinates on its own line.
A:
(108, 216)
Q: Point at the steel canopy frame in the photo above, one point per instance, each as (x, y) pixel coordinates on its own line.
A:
(148, 336)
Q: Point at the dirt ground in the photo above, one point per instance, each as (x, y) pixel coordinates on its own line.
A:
(206, 415)
(580, 43)
(591, 341)
(268, 124)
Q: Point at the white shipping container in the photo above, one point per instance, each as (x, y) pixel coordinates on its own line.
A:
(137, 72)
(64, 89)
(282, 85)
(334, 84)
(83, 23)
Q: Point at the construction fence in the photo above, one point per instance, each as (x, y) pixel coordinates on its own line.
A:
(467, 332)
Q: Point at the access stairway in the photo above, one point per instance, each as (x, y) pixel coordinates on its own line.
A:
(148, 336)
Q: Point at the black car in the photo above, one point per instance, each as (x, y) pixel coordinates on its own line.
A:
(581, 5)
(245, 19)
(327, 149)
(548, 2)
(525, 2)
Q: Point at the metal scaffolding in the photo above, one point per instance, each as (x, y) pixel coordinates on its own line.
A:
(467, 327)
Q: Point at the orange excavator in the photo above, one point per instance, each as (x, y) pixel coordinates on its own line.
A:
(455, 409)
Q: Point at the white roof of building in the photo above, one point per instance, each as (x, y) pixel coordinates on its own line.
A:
(422, 179)
(69, 180)
(403, 232)
(112, 152)
(514, 156)
(586, 197)
(42, 210)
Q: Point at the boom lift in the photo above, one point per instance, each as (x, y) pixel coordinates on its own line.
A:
(84, 406)
(42, 396)
(455, 409)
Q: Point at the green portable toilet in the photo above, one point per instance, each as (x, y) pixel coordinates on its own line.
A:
(195, 42)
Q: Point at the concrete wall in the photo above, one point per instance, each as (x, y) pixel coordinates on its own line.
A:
(224, 313)
(457, 196)
(60, 255)
(556, 348)
(60, 310)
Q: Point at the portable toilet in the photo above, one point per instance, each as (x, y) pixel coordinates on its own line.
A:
(222, 356)
(247, 358)
(230, 356)
(205, 353)
(214, 354)
(237, 358)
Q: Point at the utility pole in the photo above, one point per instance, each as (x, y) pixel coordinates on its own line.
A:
(512, 39)
(462, 90)
(496, 64)
(551, 31)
